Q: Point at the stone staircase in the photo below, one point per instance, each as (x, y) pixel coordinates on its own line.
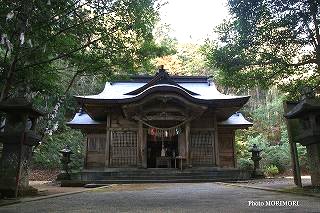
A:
(153, 175)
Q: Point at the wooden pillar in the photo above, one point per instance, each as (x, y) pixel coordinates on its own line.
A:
(293, 150)
(216, 142)
(85, 142)
(139, 149)
(187, 127)
(108, 137)
(145, 148)
(142, 141)
(234, 149)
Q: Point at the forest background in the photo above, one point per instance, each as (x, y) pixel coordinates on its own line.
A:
(52, 50)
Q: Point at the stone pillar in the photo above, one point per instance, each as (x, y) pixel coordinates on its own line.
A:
(293, 148)
(314, 160)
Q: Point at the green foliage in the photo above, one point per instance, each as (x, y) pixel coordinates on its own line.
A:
(44, 44)
(47, 155)
(268, 43)
(184, 58)
(51, 50)
(271, 171)
(269, 134)
(278, 155)
(245, 164)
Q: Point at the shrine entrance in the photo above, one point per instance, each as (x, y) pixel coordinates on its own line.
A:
(162, 151)
(163, 132)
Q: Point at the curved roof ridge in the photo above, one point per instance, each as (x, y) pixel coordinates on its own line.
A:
(162, 77)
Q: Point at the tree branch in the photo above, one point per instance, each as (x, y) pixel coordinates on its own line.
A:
(313, 10)
(58, 33)
(310, 61)
(56, 18)
(310, 32)
(61, 55)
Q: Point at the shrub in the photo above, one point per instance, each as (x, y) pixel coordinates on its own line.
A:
(245, 164)
(271, 171)
(278, 155)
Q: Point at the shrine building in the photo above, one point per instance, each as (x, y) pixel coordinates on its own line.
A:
(160, 121)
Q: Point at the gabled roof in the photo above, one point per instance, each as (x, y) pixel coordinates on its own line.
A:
(198, 90)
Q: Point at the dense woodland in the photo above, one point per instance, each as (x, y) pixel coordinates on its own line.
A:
(52, 50)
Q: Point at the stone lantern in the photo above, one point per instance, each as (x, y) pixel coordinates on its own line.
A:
(307, 111)
(65, 160)
(256, 159)
(18, 138)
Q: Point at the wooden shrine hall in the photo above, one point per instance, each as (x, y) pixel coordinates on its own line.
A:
(160, 121)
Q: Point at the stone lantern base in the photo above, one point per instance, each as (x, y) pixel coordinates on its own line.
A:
(313, 151)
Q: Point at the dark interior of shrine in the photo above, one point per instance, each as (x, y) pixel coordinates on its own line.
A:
(154, 147)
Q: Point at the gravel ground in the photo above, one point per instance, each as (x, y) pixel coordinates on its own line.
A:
(43, 174)
(174, 197)
(277, 183)
(49, 188)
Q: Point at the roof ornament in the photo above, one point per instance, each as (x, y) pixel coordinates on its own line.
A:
(81, 111)
(307, 92)
(162, 72)
(210, 80)
(161, 68)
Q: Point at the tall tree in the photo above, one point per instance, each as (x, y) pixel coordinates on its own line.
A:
(47, 45)
(269, 42)
(42, 39)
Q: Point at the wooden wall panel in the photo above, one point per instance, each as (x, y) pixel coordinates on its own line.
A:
(118, 121)
(226, 148)
(204, 121)
(95, 151)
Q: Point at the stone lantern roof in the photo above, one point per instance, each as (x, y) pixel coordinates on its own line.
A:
(21, 106)
(307, 105)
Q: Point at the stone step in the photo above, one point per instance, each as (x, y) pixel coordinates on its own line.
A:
(157, 175)
(101, 176)
(235, 175)
(177, 173)
(73, 183)
(158, 178)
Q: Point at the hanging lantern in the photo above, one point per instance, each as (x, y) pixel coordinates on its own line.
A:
(166, 133)
(153, 131)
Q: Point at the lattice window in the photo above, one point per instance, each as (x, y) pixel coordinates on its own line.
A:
(201, 148)
(124, 148)
(96, 143)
